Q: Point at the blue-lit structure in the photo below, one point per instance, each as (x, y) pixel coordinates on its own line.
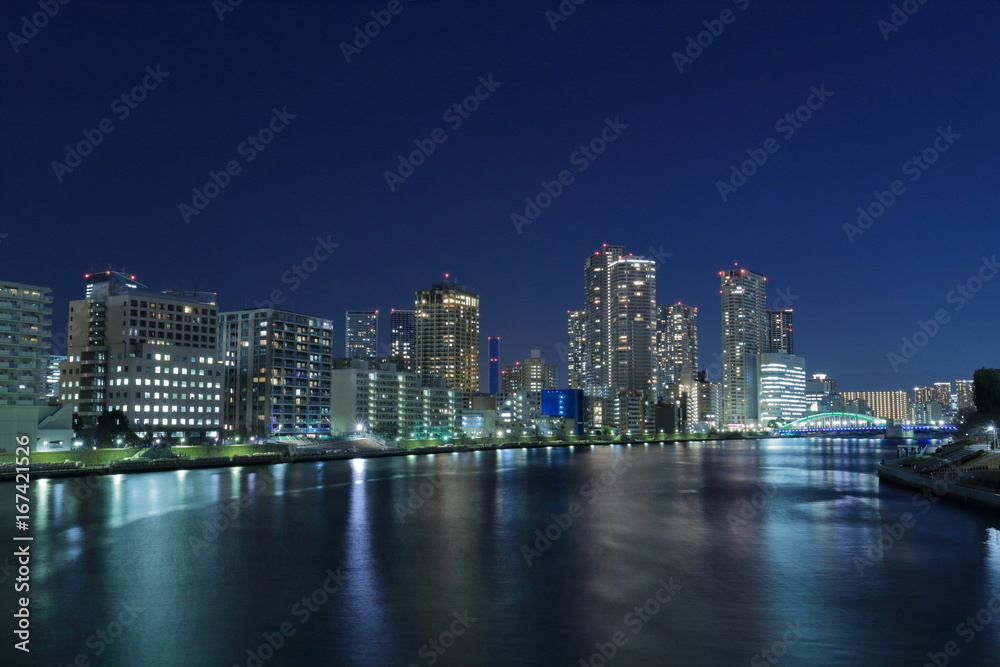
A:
(494, 342)
(566, 403)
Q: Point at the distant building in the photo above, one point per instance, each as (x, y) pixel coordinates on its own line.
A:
(925, 412)
(378, 397)
(52, 375)
(531, 375)
(744, 338)
(676, 344)
(447, 334)
(277, 366)
(152, 355)
(964, 396)
(884, 404)
(576, 351)
(403, 337)
(494, 343)
(822, 395)
(779, 331)
(782, 387)
(361, 334)
(708, 404)
(942, 394)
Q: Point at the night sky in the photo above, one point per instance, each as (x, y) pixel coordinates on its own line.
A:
(654, 189)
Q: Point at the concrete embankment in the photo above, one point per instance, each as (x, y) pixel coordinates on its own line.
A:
(940, 487)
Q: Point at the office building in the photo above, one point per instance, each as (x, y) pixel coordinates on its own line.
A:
(361, 334)
(276, 377)
(447, 335)
(779, 331)
(152, 355)
(782, 387)
(676, 345)
(744, 336)
(531, 375)
(883, 404)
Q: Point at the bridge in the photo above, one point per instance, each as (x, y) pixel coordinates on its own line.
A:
(846, 423)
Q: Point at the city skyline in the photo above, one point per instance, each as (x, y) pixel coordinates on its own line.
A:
(316, 189)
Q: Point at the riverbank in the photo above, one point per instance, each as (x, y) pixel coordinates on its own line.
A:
(953, 475)
(101, 462)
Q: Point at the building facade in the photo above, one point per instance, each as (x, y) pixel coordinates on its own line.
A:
(361, 334)
(533, 374)
(403, 338)
(151, 355)
(782, 387)
(883, 404)
(277, 367)
(779, 331)
(744, 336)
(576, 332)
(24, 327)
(447, 337)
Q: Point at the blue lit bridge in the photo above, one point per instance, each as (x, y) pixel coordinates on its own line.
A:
(845, 423)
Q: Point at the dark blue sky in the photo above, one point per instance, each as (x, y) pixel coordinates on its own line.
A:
(654, 187)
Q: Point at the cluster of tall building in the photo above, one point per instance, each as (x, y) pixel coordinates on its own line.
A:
(180, 369)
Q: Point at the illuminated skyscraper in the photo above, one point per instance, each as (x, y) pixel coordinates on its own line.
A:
(964, 395)
(744, 337)
(779, 331)
(403, 337)
(532, 375)
(361, 333)
(576, 352)
(677, 344)
(597, 327)
(447, 334)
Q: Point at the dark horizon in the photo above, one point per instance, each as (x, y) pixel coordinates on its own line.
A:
(541, 88)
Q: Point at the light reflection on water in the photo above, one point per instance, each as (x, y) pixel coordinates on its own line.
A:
(221, 556)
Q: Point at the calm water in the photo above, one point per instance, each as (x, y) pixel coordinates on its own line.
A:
(748, 546)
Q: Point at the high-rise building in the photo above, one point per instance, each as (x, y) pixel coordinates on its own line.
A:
(597, 327)
(633, 333)
(779, 331)
(744, 337)
(964, 396)
(151, 355)
(575, 355)
(942, 394)
(403, 338)
(923, 394)
(277, 368)
(361, 334)
(447, 333)
(884, 404)
(676, 345)
(782, 387)
(24, 328)
(533, 375)
(494, 342)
